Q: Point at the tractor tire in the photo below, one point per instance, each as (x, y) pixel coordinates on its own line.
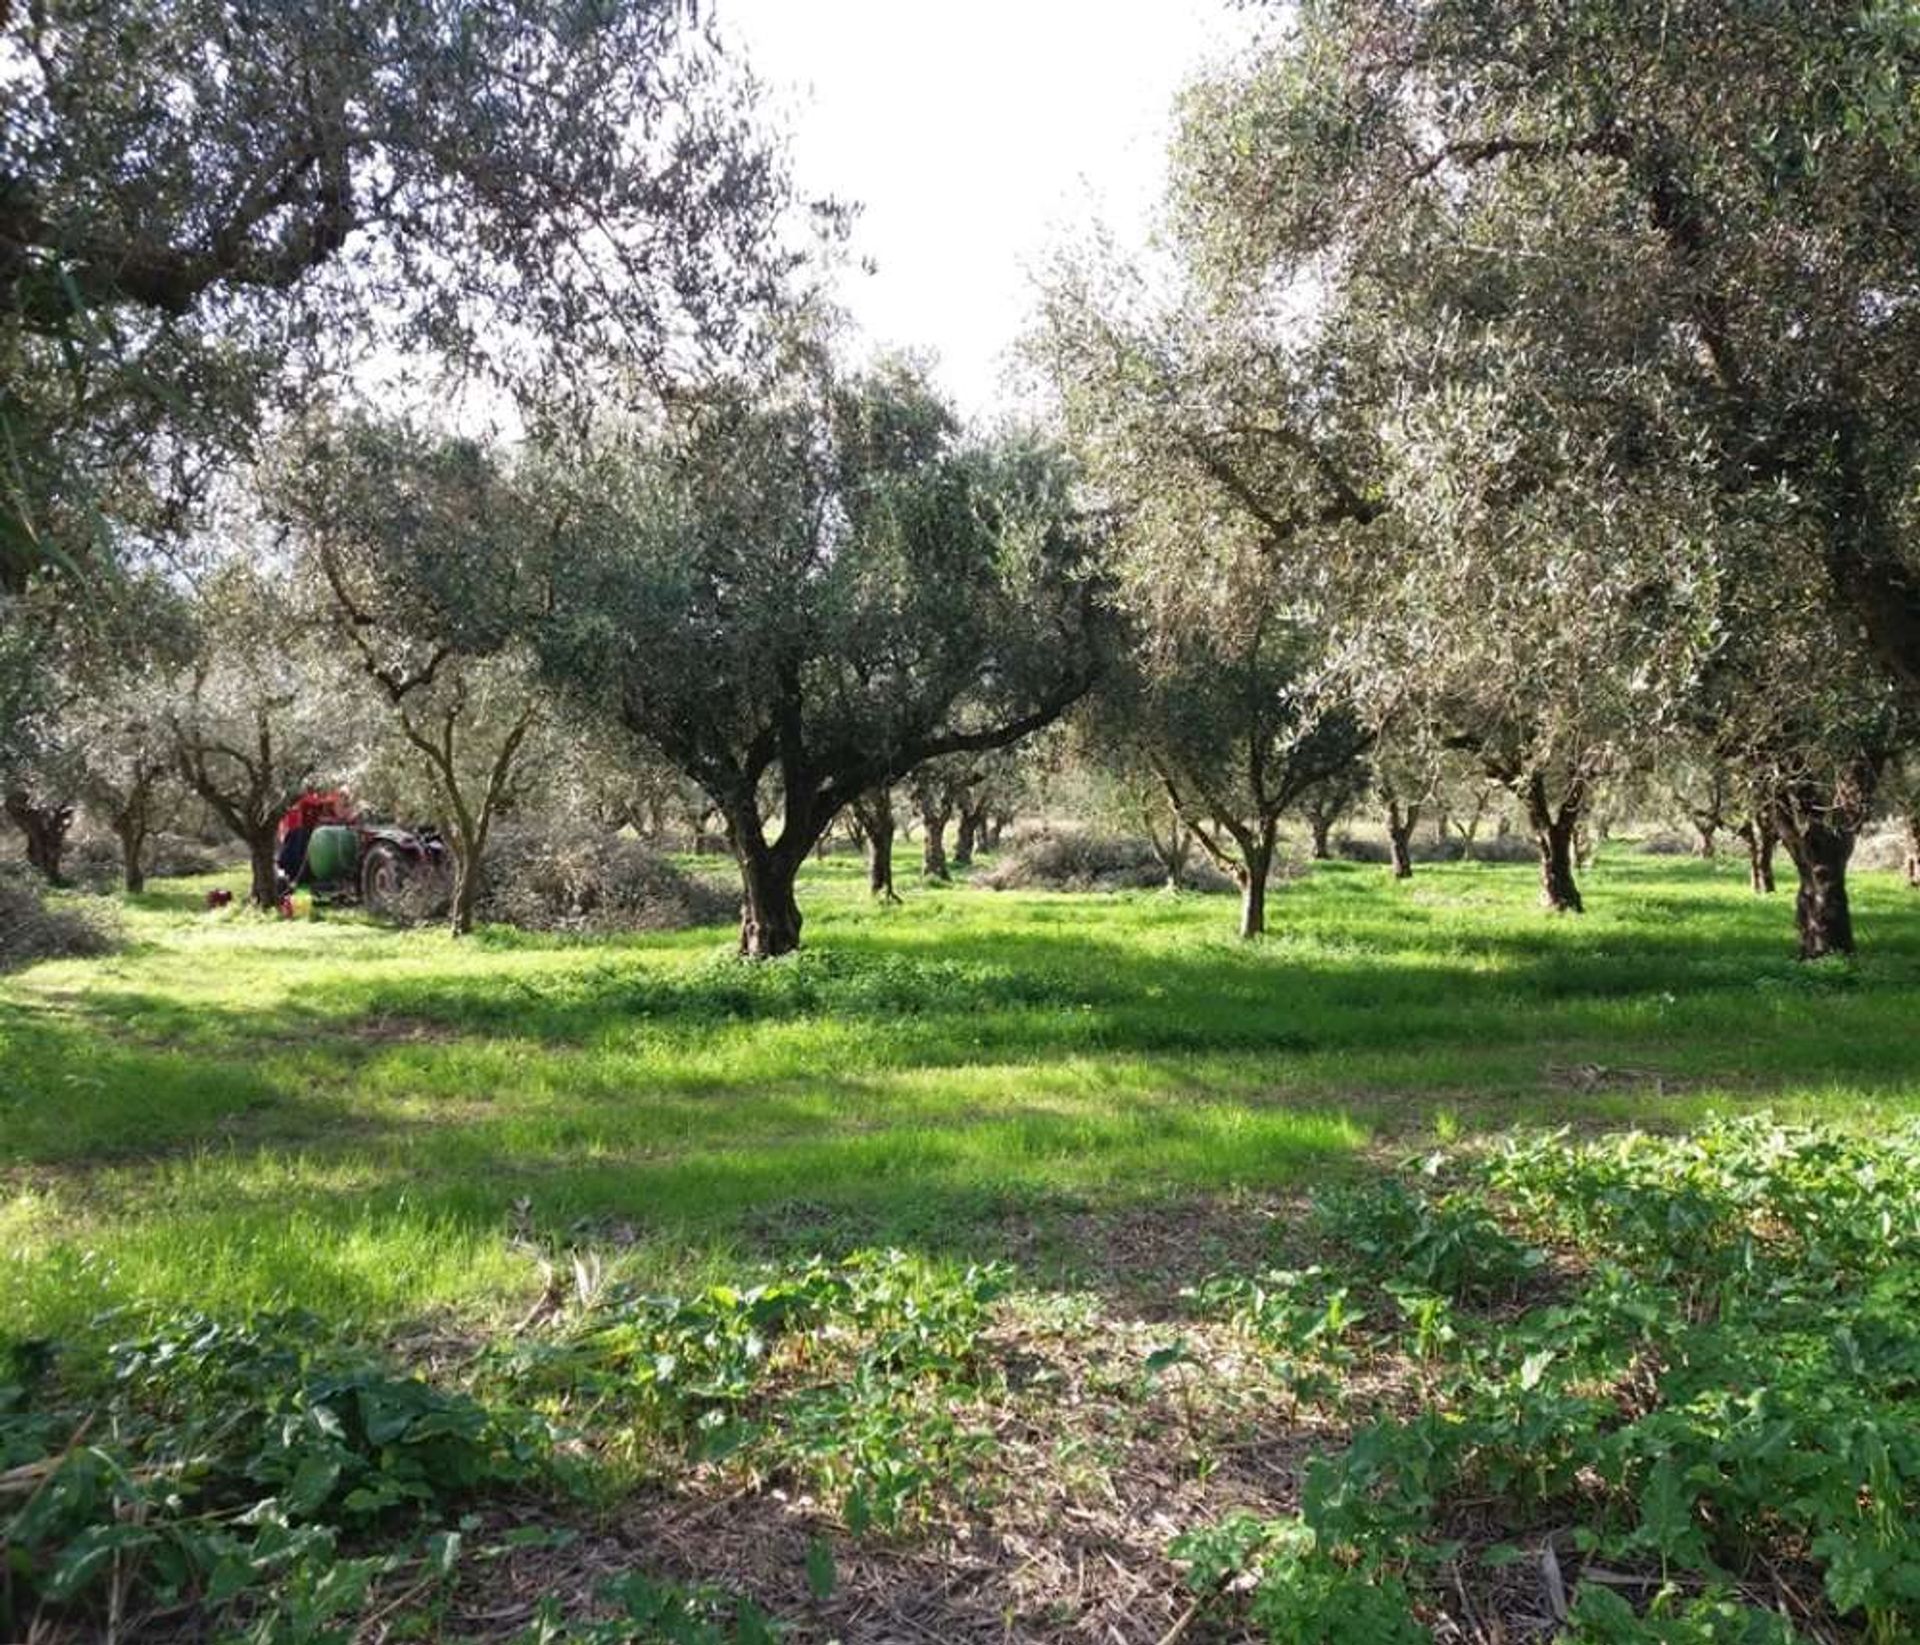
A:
(385, 875)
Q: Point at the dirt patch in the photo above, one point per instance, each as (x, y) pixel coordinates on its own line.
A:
(400, 1030)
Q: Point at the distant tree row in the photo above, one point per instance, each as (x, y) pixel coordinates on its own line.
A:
(1522, 396)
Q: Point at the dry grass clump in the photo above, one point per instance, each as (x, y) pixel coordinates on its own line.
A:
(31, 929)
(1079, 859)
(576, 879)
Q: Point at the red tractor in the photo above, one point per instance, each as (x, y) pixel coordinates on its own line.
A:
(327, 846)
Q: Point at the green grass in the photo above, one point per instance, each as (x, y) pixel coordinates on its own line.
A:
(235, 1113)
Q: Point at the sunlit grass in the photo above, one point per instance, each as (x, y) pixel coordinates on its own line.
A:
(236, 1112)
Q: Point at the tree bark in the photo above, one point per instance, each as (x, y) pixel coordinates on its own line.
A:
(1703, 849)
(45, 827)
(933, 851)
(1322, 827)
(769, 910)
(1555, 835)
(963, 839)
(1913, 850)
(1761, 837)
(1401, 822)
(131, 831)
(265, 873)
(1400, 847)
(1821, 910)
(1254, 870)
(466, 892)
(875, 815)
(1559, 891)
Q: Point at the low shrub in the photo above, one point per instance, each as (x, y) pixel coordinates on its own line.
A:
(1357, 848)
(177, 856)
(1078, 859)
(549, 879)
(1882, 848)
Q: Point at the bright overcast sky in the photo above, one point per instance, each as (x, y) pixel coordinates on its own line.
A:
(974, 138)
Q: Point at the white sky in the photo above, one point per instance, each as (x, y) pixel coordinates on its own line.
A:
(975, 137)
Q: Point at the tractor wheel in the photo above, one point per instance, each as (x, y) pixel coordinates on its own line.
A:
(384, 877)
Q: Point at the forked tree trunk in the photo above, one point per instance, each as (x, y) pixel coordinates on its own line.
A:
(1559, 891)
(973, 836)
(1703, 848)
(1761, 837)
(1556, 838)
(1322, 828)
(1819, 826)
(1400, 848)
(963, 839)
(997, 824)
(1820, 853)
(933, 850)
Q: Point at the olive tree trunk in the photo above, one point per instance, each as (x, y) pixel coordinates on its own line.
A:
(875, 814)
(45, 827)
(933, 850)
(263, 869)
(1820, 853)
(131, 831)
(1913, 851)
(1255, 867)
(1761, 838)
(1401, 822)
(769, 910)
(1400, 849)
(1559, 890)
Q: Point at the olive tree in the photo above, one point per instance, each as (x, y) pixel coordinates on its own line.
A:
(190, 192)
(1238, 720)
(430, 560)
(805, 584)
(1723, 202)
(261, 712)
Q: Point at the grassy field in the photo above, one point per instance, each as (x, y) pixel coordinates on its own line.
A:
(412, 1139)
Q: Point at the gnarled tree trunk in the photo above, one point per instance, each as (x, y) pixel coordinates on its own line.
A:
(1761, 838)
(1559, 890)
(933, 850)
(874, 812)
(963, 839)
(769, 910)
(1819, 826)
(1321, 826)
(1913, 851)
(972, 836)
(1821, 910)
(1555, 836)
(45, 827)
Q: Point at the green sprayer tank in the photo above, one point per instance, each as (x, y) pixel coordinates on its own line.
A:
(333, 855)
